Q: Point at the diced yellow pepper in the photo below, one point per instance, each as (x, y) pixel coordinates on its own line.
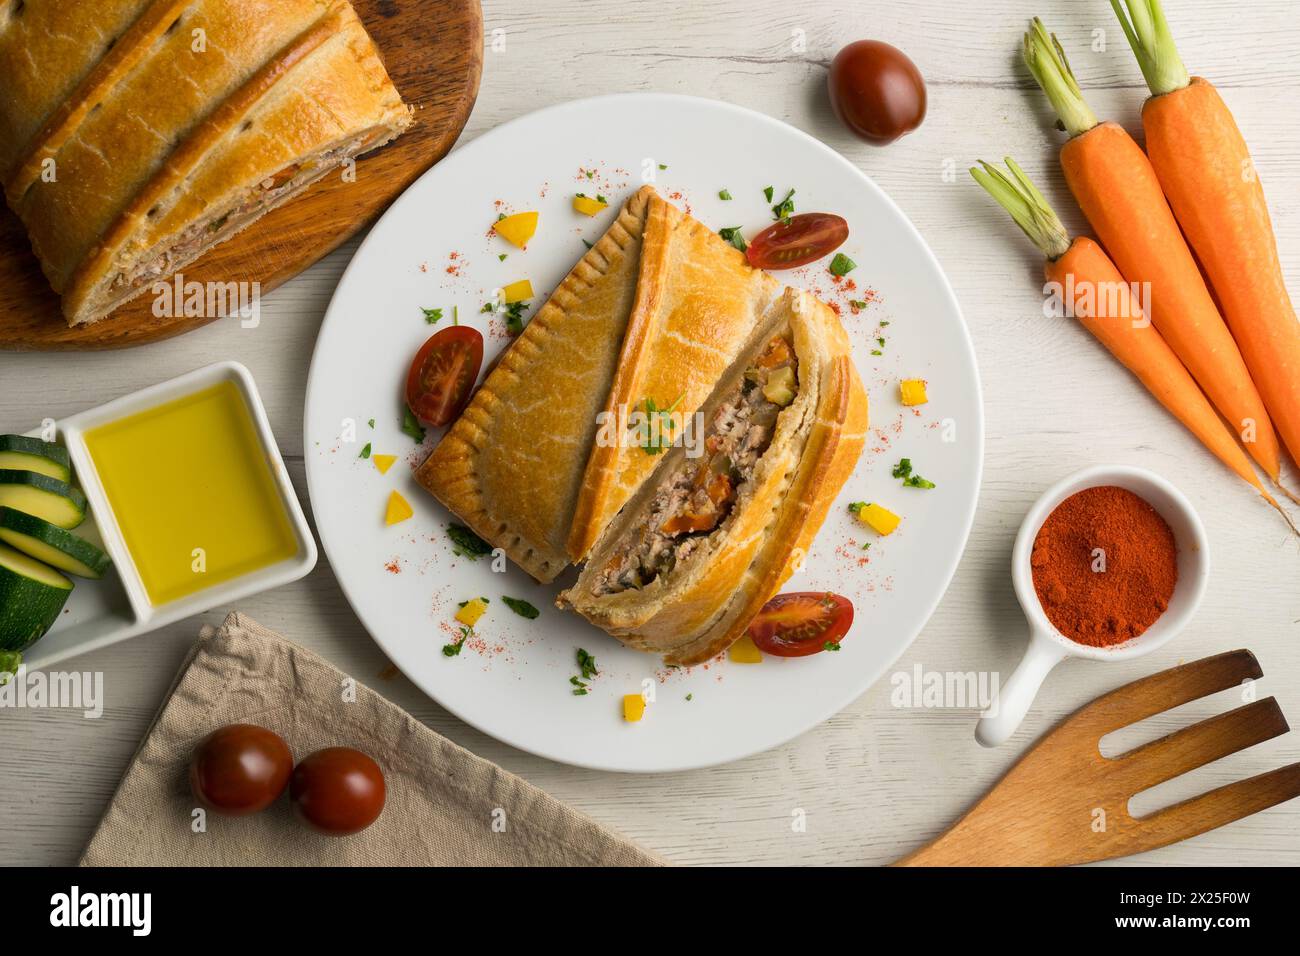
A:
(471, 611)
(520, 291)
(878, 518)
(517, 229)
(745, 651)
(633, 707)
(398, 509)
(588, 206)
(383, 462)
(912, 391)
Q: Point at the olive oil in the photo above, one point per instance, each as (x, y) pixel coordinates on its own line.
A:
(191, 489)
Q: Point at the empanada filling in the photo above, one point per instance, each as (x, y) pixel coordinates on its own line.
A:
(696, 497)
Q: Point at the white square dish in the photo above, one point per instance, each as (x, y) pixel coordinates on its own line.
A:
(117, 607)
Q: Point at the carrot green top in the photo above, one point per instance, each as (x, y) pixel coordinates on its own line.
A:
(1047, 62)
(1026, 205)
(1153, 45)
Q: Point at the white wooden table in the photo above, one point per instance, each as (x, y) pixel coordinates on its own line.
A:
(874, 781)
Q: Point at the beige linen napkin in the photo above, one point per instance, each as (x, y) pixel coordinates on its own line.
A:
(445, 806)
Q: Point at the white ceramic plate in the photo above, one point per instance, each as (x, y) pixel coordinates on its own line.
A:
(433, 249)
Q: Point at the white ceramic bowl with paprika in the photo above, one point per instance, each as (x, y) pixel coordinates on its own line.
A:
(1047, 645)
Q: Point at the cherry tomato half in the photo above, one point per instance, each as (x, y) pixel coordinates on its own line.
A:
(443, 374)
(338, 791)
(876, 91)
(801, 623)
(797, 241)
(240, 769)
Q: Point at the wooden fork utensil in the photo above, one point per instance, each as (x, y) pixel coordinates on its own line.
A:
(1065, 803)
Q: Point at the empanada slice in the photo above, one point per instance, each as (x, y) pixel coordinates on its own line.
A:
(695, 308)
(511, 466)
(698, 550)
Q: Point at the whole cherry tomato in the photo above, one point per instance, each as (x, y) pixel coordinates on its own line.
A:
(797, 241)
(240, 769)
(338, 791)
(443, 374)
(801, 623)
(876, 91)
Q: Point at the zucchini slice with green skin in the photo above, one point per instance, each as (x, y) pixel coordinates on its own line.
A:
(70, 553)
(45, 497)
(31, 597)
(20, 453)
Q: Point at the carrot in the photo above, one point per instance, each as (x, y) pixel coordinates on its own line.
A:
(1206, 172)
(1117, 189)
(1100, 298)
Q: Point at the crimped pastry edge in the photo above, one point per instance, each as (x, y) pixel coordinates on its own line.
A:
(450, 473)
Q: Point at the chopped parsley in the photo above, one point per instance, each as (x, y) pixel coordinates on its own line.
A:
(842, 265)
(432, 316)
(466, 543)
(411, 425)
(365, 452)
(371, 423)
(857, 506)
(781, 211)
(515, 317)
(453, 649)
(903, 470)
(858, 304)
(690, 696)
(663, 165)
(654, 444)
(483, 599)
(767, 192)
(502, 257)
(521, 607)
(831, 646)
(586, 243)
(733, 236)
(587, 665)
(724, 195)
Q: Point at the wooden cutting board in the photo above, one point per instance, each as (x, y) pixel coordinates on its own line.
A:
(434, 52)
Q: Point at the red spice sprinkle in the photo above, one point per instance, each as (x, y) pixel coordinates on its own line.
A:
(394, 566)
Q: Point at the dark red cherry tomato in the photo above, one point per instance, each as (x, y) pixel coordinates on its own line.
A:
(801, 623)
(337, 791)
(240, 769)
(443, 374)
(797, 241)
(876, 91)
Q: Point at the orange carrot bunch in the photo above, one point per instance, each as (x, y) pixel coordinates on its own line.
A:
(1192, 195)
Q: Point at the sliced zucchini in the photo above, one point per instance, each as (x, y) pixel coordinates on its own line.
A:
(61, 549)
(31, 597)
(45, 497)
(20, 453)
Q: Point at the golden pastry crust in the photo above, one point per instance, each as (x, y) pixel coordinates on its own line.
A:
(47, 48)
(702, 606)
(510, 467)
(696, 305)
(154, 142)
(293, 115)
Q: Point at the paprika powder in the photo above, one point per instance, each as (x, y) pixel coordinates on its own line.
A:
(1104, 566)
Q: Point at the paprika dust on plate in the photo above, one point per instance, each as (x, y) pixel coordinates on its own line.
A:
(1104, 566)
